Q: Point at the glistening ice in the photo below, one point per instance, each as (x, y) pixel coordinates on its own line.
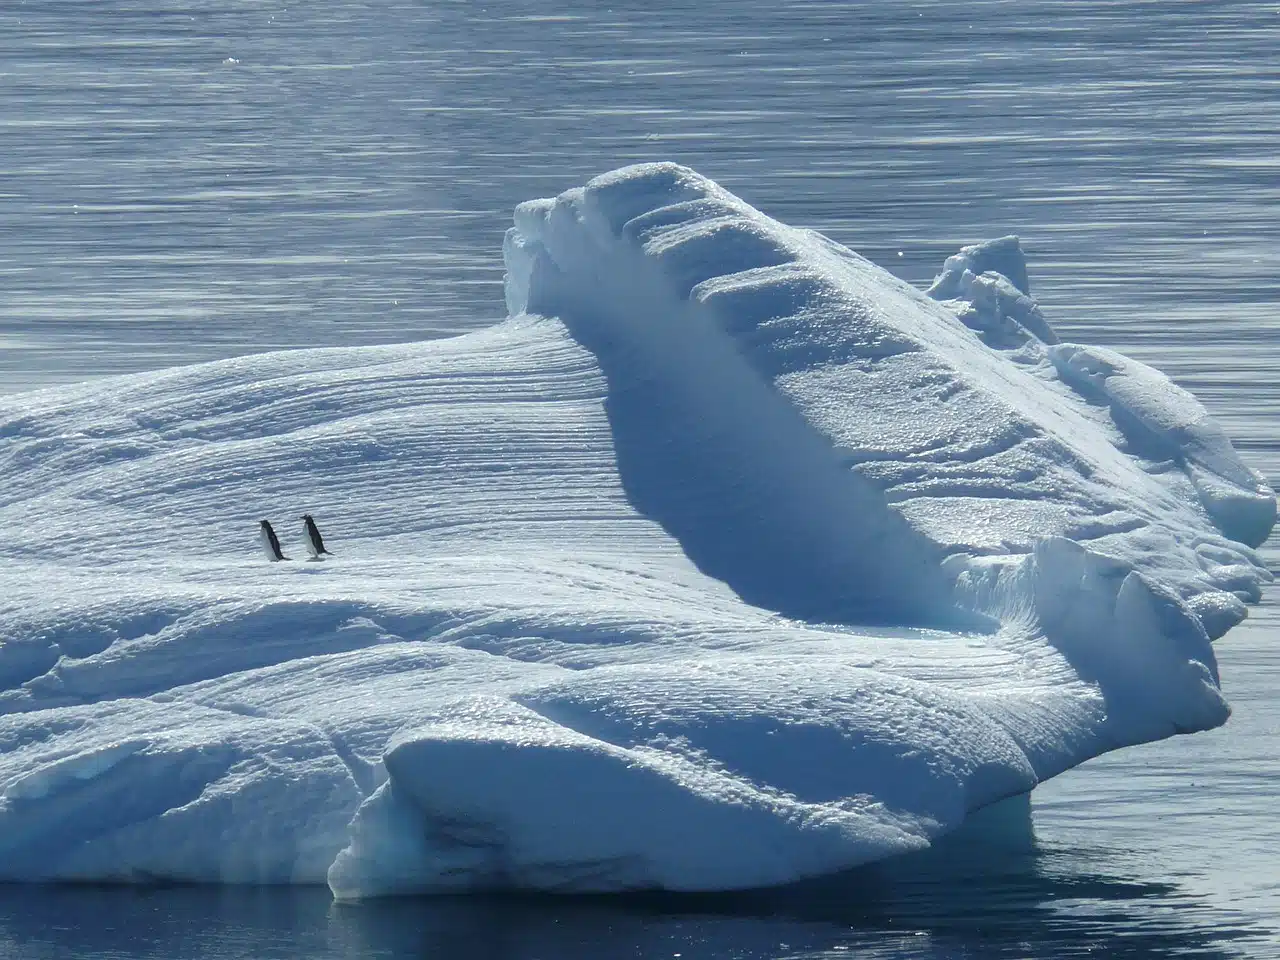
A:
(726, 560)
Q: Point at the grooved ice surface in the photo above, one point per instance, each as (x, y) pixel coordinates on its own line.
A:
(727, 560)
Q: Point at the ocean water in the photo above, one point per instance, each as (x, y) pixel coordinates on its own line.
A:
(207, 178)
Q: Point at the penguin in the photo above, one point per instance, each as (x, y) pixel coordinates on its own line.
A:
(315, 545)
(269, 542)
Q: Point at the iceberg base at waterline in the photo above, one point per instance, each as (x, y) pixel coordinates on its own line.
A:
(727, 560)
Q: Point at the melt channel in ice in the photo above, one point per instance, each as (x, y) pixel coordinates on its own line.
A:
(727, 560)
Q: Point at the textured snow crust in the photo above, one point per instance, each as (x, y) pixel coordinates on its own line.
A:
(726, 561)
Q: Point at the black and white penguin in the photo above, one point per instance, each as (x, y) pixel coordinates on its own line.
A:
(270, 544)
(315, 545)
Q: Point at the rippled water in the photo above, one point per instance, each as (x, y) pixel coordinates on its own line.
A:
(202, 179)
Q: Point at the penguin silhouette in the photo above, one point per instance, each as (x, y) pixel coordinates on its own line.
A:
(315, 544)
(270, 543)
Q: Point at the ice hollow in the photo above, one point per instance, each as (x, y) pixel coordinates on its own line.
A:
(726, 560)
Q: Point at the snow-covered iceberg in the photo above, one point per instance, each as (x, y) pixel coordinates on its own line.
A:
(728, 559)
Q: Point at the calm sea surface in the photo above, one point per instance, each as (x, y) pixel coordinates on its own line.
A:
(204, 178)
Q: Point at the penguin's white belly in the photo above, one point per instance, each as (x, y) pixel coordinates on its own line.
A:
(265, 538)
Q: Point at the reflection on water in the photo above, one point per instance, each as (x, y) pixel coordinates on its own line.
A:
(199, 180)
(990, 890)
(1017, 907)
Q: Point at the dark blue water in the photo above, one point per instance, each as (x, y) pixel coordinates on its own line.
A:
(1019, 909)
(207, 178)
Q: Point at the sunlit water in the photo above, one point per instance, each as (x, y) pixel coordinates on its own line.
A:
(201, 179)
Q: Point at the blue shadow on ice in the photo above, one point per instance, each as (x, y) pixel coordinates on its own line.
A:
(758, 499)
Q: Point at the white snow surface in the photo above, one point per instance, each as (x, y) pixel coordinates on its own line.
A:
(726, 561)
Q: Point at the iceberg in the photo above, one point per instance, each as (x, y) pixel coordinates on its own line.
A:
(726, 560)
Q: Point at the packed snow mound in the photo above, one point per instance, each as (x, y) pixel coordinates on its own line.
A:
(727, 560)
(988, 285)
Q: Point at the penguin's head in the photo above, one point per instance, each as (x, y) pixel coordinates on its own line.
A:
(306, 516)
(263, 523)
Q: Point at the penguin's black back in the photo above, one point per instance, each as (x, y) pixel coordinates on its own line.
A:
(314, 533)
(273, 539)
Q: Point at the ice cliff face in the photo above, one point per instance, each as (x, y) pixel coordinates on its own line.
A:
(728, 560)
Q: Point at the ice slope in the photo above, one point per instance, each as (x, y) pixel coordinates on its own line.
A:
(726, 561)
